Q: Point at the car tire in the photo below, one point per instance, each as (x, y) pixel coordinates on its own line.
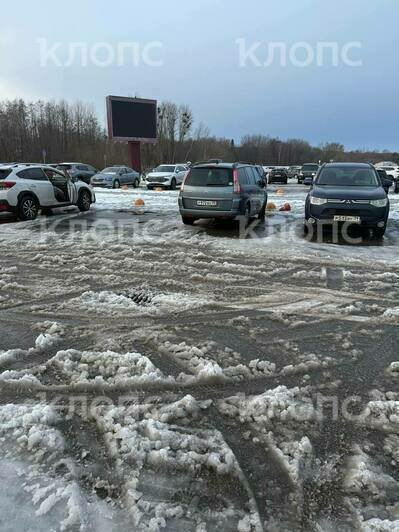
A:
(116, 184)
(188, 221)
(136, 183)
(84, 201)
(173, 184)
(379, 232)
(28, 208)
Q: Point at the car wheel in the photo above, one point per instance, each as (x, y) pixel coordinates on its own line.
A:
(136, 183)
(173, 184)
(84, 201)
(379, 232)
(188, 221)
(28, 208)
(116, 184)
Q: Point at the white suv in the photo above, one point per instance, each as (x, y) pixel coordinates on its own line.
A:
(27, 188)
(167, 176)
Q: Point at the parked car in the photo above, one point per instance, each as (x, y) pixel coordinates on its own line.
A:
(293, 172)
(278, 175)
(166, 176)
(115, 177)
(81, 171)
(391, 171)
(223, 190)
(385, 177)
(349, 192)
(27, 189)
(307, 170)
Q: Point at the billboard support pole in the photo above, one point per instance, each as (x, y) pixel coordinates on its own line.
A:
(135, 155)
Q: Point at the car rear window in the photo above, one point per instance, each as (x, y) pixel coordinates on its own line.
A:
(64, 166)
(210, 177)
(310, 167)
(4, 173)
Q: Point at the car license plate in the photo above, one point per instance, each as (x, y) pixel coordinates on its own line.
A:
(346, 218)
(206, 203)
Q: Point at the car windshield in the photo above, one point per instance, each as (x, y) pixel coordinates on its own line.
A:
(310, 168)
(210, 177)
(348, 176)
(164, 168)
(111, 170)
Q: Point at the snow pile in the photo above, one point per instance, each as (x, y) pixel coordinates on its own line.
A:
(393, 370)
(111, 303)
(144, 445)
(278, 405)
(40, 475)
(106, 368)
(277, 417)
(210, 363)
(308, 363)
(182, 411)
(50, 335)
(392, 314)
(371, 493)
(31, 427)
(383, 415)
(195, 360)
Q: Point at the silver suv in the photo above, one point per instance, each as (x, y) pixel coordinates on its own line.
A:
(26, 189)
(81, 171)
(223, 190)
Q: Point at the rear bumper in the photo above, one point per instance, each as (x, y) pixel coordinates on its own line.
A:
(5, 206)
(202, 213)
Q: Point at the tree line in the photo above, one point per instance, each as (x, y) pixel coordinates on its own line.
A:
(73, 132)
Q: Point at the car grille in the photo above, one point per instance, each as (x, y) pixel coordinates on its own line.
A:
(348, 202)
(157, 179)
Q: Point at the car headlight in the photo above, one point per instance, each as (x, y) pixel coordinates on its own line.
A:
(317, 201)
(379, 202)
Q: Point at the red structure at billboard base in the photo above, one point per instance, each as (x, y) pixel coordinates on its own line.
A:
(132, 121)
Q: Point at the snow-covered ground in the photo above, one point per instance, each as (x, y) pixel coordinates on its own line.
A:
(162, 377)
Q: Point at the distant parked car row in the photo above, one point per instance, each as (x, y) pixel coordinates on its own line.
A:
(115, 177)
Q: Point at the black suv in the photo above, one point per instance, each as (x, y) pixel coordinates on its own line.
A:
(308, 170)
(349, 192)
(222, 190)
(278, 175)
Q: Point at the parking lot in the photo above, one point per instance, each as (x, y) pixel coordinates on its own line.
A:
(255, 399)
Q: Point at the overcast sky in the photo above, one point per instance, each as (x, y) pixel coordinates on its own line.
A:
(200, 56)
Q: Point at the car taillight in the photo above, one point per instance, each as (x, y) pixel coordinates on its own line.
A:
(7, 184)
(184, 180)
(236, 183)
